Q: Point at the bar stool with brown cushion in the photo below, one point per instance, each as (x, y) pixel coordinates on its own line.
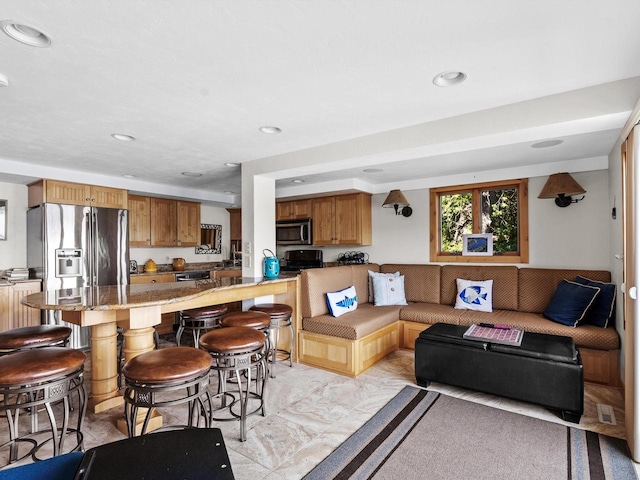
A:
(153, 380)
(199, 320)
(25, 338)
(43, 377)
(238, 351)
(280, 314)
(251, 319)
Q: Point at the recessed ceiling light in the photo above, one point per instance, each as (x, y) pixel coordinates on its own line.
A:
(547, 144)
(232, 164)
(4, 81)
(270, 129)
(229, 192)
(449, 79)
(297, 180)
(123, 137)
(372, 170)
(25, 34)
(191, 174)
(128, 175)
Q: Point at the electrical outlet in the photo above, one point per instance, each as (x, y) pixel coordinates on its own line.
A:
(247, 261)
(247, 248)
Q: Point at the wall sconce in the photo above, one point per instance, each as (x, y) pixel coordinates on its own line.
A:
(561, 186)
(396, 199)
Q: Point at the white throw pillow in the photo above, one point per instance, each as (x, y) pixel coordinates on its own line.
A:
(388, 290)
(474, 295)
(342, 301)
(376, 274)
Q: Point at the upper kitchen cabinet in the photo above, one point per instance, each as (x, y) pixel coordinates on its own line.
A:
(294, 209)
(235, 223)
(139, 221)
(69, 193)
(342, 220)
(161, 222)
(174, 223)
(188, 223)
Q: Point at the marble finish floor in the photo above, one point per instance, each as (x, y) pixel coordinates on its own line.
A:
(310, 412)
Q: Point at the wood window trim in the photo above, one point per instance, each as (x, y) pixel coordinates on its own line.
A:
(523, 220)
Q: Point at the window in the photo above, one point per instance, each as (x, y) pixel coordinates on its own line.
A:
(497, 208)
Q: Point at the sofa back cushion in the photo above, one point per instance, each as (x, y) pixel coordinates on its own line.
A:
(505, 283)
(316, 282)
(537, 285)
(421, 282)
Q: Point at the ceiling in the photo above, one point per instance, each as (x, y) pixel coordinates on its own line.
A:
(348, 82)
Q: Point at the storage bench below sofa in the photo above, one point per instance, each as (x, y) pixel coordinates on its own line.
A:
(545, 369)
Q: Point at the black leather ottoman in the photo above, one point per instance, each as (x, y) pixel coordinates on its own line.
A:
(545, 369)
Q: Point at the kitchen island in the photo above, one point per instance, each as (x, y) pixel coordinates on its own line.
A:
(137, 308)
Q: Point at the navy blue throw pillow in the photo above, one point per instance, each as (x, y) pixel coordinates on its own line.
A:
(603, 310)
(570, 303)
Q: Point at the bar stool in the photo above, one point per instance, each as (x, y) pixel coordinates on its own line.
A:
(236, 351)
(280, 314)
(42, 377)
(198, 320)
(151, 375)
(252, 319)
(25, 338)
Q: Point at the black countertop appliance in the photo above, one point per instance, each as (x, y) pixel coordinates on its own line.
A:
(297, 260)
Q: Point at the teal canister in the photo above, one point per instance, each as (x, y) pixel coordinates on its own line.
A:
(271, 265)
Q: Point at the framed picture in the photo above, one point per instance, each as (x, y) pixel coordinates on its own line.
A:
(477, 244)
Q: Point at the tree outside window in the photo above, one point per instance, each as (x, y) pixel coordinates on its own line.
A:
(498, 208)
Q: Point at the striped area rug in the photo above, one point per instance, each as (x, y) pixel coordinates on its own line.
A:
(421, 434)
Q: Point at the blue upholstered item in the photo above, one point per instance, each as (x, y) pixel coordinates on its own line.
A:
(342, 301)
(62, 467)
(570, 303)
(603, 310)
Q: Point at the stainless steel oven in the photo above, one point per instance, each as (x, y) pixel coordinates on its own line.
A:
(294, 232)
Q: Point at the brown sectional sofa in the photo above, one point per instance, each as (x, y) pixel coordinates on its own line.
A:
(354, 341)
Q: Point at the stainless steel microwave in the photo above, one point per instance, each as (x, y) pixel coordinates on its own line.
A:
(294, 232)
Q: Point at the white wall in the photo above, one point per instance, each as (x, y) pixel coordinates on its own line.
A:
(208, 214)
(615, 242)
(575, 236)
(13, 251)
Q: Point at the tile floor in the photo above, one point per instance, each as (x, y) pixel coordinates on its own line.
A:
(310, 412)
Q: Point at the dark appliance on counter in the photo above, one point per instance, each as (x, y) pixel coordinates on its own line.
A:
(294, 232)
(297, 260)
(71, 247)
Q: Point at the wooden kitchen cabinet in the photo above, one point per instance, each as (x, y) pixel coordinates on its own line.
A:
(167, 319)
(188, 223)
(162, 222)
(139, 221)
(342, 220)
(69, 193)
(294, 209)
(14, 314)
(235, 223)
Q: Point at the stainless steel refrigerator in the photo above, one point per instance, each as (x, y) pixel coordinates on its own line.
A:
(70, 246)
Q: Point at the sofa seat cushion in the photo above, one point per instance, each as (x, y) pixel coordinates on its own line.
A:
(587, 336)
(353, 325)
(430, 313)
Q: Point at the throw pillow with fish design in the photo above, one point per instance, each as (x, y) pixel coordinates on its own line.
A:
(474, 295)
(342, 301)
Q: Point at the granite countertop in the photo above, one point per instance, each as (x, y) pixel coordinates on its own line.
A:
(122, 297)
(6, 283)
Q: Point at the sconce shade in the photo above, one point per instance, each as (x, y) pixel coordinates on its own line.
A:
(396, 199)
(560, 184)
